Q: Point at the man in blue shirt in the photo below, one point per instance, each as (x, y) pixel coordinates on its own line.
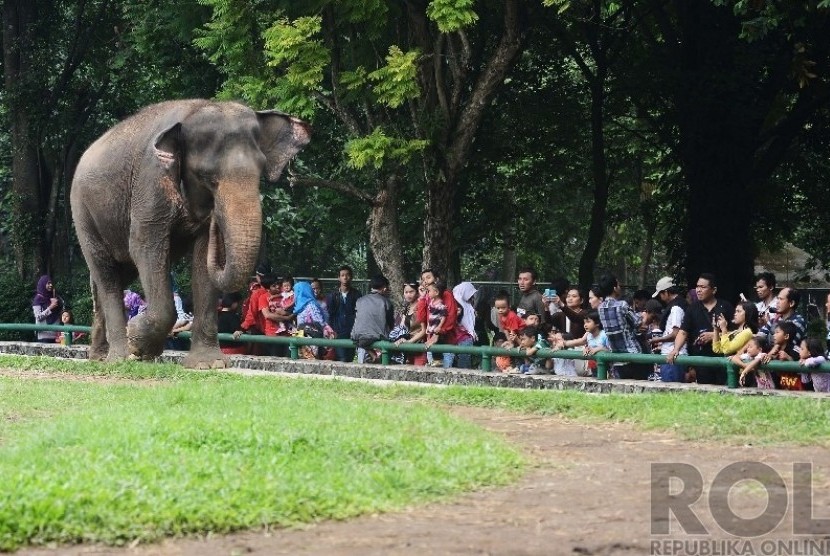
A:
(342, 304)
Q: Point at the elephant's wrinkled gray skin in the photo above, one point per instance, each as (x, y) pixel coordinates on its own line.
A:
(176, 175)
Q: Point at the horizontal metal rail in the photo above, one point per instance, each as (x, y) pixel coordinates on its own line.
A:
(604, 359)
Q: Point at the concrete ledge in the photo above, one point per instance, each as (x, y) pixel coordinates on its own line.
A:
(423, 375)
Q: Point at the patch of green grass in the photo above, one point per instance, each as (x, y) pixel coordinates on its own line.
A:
(206, 452)
(174, 451)
(693, 415)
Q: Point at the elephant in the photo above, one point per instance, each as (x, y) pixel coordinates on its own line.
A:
(176, 177)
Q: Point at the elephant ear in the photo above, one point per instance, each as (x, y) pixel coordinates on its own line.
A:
(281, 137)
(167, 148)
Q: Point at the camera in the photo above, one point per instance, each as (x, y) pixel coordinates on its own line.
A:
(772, 310)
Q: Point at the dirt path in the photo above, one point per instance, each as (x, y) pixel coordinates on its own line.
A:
(588, 493)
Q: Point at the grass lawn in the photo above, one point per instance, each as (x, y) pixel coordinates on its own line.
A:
(167, 451)
(194, 452)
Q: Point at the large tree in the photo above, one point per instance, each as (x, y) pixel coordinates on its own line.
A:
(407, 83)
(731, 86)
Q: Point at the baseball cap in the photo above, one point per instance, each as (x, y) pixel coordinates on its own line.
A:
(663, 284)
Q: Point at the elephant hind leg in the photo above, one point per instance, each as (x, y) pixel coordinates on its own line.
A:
(99, 346)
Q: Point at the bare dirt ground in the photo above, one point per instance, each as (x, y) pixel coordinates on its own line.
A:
(588, 492)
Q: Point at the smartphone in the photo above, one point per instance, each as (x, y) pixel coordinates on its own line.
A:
(550, 293)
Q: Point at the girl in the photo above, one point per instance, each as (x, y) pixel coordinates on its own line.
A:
(47, 307)
(746, 323)
(594, 340)
(437, 316)
(67, 318)
(286, 302)
(812, 355)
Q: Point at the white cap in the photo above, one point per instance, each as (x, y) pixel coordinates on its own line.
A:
(663, 284)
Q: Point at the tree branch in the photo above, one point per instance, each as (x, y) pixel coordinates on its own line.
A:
(485, 88)
(348, 189)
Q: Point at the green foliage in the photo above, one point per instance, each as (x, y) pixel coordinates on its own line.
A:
(397, 81)
(378, 148)
(291, 46)
(452, 15)
(116, 463)
(17, 304)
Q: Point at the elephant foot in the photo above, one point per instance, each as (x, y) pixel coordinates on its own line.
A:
(96, 354)
(142, 343)
(205, 359)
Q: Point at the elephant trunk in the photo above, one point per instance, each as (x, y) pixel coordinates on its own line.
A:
(235, 230)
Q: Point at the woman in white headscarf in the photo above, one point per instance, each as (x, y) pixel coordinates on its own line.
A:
(466, 327)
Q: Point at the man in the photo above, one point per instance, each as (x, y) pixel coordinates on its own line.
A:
(765, 290)
(531, 300)
(698, 326)
(620, 324)
(374, 319)
(448, 330)
(342, 306)
(670, 323)
(787, 301)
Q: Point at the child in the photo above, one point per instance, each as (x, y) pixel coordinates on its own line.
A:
(68, 318)
(530, 342)
(812, 355)
(783, 349)
(564, 367)
(437, 316)
(594, 340)
(510, 324)
(228, 322)
(286, 301)
(650, 330)
(748, 361)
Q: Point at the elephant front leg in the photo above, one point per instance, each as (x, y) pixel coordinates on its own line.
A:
(148, 331)
(204, 346)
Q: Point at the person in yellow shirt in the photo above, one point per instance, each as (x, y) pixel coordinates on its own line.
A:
(746, 326)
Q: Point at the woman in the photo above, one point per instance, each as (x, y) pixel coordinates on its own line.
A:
(311, 317)
(594, 299)
(416, 331)
(570, 318)
(466, 328)
(746, 326)
(47, 307)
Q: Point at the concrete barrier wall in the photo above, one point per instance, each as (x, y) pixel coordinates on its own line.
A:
(422, 375)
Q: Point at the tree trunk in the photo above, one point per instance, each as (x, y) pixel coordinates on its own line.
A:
(385, 239)
(716, 149)
(18, 16)
(599, 174)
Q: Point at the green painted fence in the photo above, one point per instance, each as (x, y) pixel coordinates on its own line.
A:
(604, 359)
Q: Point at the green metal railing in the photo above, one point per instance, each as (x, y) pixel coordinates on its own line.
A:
(604, 359)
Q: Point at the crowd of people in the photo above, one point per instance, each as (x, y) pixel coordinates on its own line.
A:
(671, 321)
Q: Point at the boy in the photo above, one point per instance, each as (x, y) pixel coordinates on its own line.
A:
(509, 326)
(783, 349)
(530, 342)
